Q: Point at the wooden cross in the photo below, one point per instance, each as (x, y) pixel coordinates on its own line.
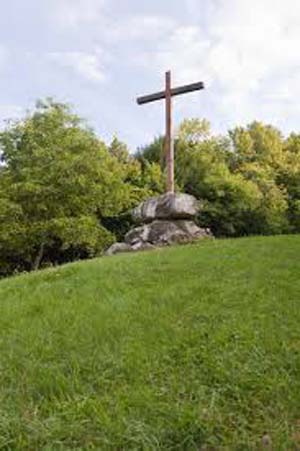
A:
(167, 94)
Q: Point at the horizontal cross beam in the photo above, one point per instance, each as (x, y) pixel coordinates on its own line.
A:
(174, 92)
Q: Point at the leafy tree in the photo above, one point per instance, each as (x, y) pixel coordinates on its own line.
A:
(193, 131)
(145, 180)
(144, 176)
(153, 153)
(257, 143)
(237, 177)
(57, 179)
(202, 170)
(290, 178)
(259, 156)
(65, 195)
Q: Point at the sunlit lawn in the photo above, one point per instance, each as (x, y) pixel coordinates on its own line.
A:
(188, 348)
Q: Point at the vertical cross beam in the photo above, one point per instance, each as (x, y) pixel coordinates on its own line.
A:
(169, 144)
(167, 94)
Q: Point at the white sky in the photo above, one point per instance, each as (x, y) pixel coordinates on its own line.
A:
(100, 54)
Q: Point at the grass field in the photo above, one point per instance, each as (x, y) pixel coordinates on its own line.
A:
(187, 348)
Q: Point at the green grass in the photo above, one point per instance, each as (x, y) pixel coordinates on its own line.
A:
(187, 348)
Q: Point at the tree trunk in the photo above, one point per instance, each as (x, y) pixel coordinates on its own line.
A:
(38, 258)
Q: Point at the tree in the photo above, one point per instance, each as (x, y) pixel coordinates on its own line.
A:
(153, 152)
(259, 156)
(203, 170)
(145, 180)
(65, 195)
(57, 180)
(237, 177)
(290, 178)
(144, 176)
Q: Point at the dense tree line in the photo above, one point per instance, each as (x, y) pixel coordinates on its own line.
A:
(66, 195)
(249, 180)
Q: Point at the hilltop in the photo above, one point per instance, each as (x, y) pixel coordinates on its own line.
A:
(191, 347)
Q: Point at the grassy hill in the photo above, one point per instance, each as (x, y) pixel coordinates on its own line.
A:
(187, 348)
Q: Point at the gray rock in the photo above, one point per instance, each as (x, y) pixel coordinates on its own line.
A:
(141, 246)
(165, 220)
(193, 230)
(266, 442)
(116, 248)
(167, 206)
(160, 232)
(166, 232)
(138, 234)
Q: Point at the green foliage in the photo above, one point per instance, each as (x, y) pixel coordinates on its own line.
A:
(64, 194)
(193, 131)
(289, 176)
(189, 348)
(57, 179)
(153, 153)
(248, 181)
(228, 199)
(145, 179)
(259, 156)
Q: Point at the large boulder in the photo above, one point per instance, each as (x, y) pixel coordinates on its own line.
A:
(168, 206)
(164, 220)
(117, 248)
(160, 233)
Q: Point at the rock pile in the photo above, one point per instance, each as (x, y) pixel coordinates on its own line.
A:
(162, 221)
